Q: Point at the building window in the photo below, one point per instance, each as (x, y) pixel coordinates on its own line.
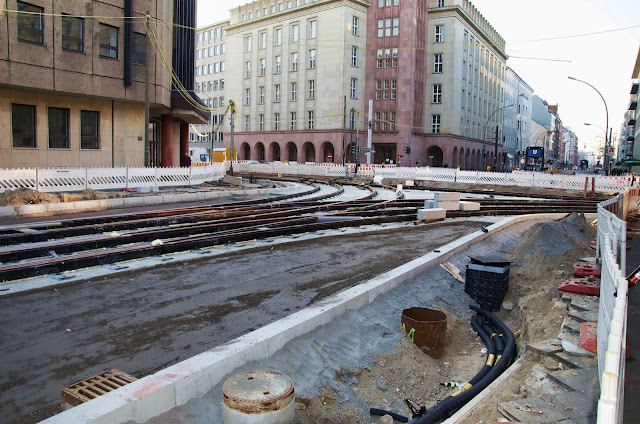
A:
(396, 24)
(440, 3)
(247, 96)
(247, 44)
(294, 62)
(392, 121)
(295, 35)
(293, 121)
(72, 33)
(263, 40)
(276, 93)
(379, 58)
(437, 93)
(261, 96)
(263, 65)
(394, 58)
(378, 89)
(277, 67)
(380, 28)
(354, 56)
(23, 125)
(312, 59)
(313, 29)
(439, 34)
(312, 89)
(247, 123)
(352, 119)
(58, 128)
(30, 25)
(276, 122)
(387, 58)
(437, 63)
(355, 24)
(435, 124)
(354, 88)
(376, 123)
(294, 91)
(385, 89)
(278, 36)
(247, 69)
(108, 41)
(261, 122)
(139, 49)
(89, 129)
(394, 89)
(387, 27)
(310, 120)
(380, 3)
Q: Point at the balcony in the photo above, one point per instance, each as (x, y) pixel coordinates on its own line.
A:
(634, 88)
(633, 105)
(632, 121)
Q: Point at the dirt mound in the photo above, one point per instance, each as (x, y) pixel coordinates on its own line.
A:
(89, 194)
(26, 196)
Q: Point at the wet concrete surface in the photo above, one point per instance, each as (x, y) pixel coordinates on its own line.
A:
(142, 322)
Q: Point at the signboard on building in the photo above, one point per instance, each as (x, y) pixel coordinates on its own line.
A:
(535, 152)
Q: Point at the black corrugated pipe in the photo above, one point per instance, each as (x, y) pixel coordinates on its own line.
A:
(452, 403)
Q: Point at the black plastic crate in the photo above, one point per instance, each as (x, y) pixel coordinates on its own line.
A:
(487, 285)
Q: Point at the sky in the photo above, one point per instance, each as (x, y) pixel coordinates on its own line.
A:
(555, 30)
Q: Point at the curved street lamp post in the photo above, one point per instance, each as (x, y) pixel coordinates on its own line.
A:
(606, 139)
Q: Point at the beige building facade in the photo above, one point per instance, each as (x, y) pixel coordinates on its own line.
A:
(72, 85)
(211, 71)
(298, 71)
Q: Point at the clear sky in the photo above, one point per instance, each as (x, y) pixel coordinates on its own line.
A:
(553, 29)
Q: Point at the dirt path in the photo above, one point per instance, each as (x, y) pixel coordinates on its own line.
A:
(140, 323)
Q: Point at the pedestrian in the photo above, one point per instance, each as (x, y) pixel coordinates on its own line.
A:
(446, 165)
(417, 164)
(186, 161)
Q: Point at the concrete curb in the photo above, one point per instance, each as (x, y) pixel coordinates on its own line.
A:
(173, 386)
(45, 209)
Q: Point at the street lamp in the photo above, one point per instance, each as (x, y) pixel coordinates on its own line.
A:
(606, 140)
(484, 139)
(604, 160)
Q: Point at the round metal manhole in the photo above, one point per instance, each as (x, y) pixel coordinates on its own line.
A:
(258, 392)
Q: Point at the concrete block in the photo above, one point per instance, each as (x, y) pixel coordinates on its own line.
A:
(435, 213)
(42, 208)
(143, 189)
(133, 201)
(449, 205)
(7, 211)
(114, 203)
(446, 196)
(146, 398)
(430, 204)
(172, 198)
(589, 336)
(469, 206)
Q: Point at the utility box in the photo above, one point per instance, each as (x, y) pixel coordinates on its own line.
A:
(487, 281)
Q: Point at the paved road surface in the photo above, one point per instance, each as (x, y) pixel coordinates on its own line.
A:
(142, 322)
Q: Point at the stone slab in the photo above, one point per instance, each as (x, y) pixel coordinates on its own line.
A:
(546, 347)
(446, 196)
(532, 411)
(449, 205)
(435, 213)
(589, 336)
(469, 206)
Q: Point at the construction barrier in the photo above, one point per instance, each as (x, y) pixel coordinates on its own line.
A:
(612, 313)
(77, 179)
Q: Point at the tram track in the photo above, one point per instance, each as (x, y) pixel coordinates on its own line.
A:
(55, 246)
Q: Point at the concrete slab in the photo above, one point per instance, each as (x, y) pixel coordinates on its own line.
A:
(435, 213)
(440, 196)
(533, 411)
(546, 347)
(449, 205)
(469, 206)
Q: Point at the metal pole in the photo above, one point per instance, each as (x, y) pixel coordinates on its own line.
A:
(232, 110)
(369, 132)
(146, 96)
(344, 112)
(495, 155)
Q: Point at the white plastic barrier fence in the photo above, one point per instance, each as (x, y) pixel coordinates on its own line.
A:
(612, 312)
(77, 179)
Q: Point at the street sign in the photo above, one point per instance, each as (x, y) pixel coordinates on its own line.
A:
(611, 150)
(522, 161)
(366, 149)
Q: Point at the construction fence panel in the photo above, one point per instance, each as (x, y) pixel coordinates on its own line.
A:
(494, 178)
(336, 171)
(612, 184)
(468, 177)
(106, 178)
(62, 179)
(389, 172)
(141, 177)
(576, 182)
(446, 175)
(13, 179)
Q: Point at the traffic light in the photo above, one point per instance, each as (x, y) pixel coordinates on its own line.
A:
(353, 149)
(407, 150)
